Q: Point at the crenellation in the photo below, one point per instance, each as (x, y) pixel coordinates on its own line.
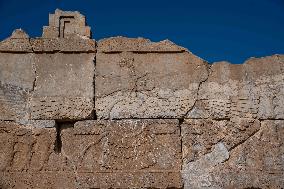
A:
(66, 24)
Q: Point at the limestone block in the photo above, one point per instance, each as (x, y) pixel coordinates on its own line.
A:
(17, 42)
(136, 81)
(122, 44)
(63, 87)
(66, 24)
(42, 180)
(200, 135)
(197, 174)
(255, 163)
(17, 75)
(50, 32)
(24, 147)
(74, 45)
(126, 153)
(254, 89)
(28, 160)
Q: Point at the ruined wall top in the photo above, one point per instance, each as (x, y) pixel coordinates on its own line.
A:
(67, 32)
(66, 24)
(132, 113)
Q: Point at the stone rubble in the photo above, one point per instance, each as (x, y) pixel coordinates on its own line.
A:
(131, 113)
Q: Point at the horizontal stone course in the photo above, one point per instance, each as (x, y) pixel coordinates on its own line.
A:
(250, 90)
(152, 85)
(131, 113)
(128, 151)
(256, 163)
(140, 152)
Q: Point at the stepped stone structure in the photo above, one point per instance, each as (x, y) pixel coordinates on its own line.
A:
(131, 113)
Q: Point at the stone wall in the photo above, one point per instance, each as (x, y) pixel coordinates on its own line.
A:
(131, 113)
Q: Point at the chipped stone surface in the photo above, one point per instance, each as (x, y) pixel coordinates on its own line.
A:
(257, 163)
(200, 135)
(152, 85)
(126, 153)
(66, 24)
(24, 147)
(35, 180)
(25, 157)
(124, 44)
(250, 90)
(16, 83)
(64, 45)
(197, 174)
(131, 113)
(63, 87)
(17, 42)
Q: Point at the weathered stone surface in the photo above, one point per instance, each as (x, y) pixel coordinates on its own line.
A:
(200, 135)
(226, 128)
(254, 89)
(123, 154)
(38, 123)
(66, 24)
(35, 180)
(124, 44)
(197, 174)
(27, 158)
(24, 147)
(19, 34)
(17, 77)
(63, 87)
(151, 85)
(64, 45)
(17, 42)
(257, 162)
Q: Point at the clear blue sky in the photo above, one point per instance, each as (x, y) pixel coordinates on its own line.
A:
(215, 30)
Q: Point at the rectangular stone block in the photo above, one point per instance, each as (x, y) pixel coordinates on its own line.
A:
(24, 147)
(17, 75)
(145, 80)
(254, 89)
(64, 87)
(28, 157)
(16, 45)
(68, 45)
(200, 135)
(122, 154)
(256, 162)
(42, 180)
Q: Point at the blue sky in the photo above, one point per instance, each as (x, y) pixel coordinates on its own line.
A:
(231, 30)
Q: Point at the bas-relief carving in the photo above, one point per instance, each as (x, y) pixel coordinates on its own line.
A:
(224, 119)
(23, 148)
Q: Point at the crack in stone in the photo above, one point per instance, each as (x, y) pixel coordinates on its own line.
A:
(198, 90)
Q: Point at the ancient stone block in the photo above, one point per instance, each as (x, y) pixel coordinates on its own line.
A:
(250, 90)
(200, 135)
(65, 24)
(28, 159)
(74, 45)
(134, 84)
(35, 180)
(17, 75)
(126, 153)
(256, 162)
(124, 44)
(17, 42)
(24, 147)
(63, 87)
